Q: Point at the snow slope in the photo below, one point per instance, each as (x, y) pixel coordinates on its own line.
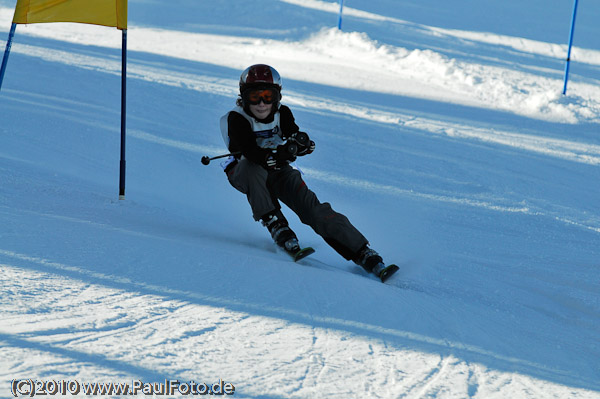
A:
(441, 133)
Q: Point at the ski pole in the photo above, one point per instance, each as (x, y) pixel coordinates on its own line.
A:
(206, 159)
(570, 45)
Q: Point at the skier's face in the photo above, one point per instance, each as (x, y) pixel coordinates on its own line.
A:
(261, 110)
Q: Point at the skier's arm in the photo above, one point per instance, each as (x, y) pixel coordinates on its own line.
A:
(289, 128)
(242, 140)
(287, 121)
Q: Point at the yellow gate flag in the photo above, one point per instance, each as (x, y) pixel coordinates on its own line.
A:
(96, 12)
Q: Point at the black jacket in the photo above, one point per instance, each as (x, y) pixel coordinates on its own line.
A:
(243, 140)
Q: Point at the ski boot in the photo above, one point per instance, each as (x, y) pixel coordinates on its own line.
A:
(284, 237)
(372, 262)
(280, 231)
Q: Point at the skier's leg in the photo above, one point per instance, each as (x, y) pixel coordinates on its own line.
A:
(335, 228)
(251, 179)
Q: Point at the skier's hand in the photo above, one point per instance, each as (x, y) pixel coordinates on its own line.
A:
(286, 152)
(305, 150)
(270, 162)
(304, 143)
(276, 160)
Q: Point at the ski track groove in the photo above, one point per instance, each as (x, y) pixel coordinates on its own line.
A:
(472, 382)
(136, 325)
(419, 389)
(436, 374)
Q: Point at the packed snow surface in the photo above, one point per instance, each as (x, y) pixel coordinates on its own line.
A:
(442, 133)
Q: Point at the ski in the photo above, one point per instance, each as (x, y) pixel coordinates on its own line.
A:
(388, 272)
(300, 254)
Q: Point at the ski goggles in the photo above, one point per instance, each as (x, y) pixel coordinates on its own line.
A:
(268, 96)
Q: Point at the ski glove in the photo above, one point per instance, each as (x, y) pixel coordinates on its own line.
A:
(305, 150)
(278, 158)
(270, 162)
(305, 144)
(287, 151)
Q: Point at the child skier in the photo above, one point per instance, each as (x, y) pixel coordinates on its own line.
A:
(264, 139)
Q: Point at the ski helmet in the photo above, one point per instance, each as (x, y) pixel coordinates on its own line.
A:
(260, 76)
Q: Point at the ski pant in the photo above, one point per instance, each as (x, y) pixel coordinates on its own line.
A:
(265, 188)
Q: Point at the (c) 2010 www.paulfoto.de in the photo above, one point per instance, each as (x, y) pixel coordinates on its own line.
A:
(30, 387)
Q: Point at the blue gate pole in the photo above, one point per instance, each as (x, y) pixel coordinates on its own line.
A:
(7, 52)
(123, 115)
(340, 17)
(570, 45)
